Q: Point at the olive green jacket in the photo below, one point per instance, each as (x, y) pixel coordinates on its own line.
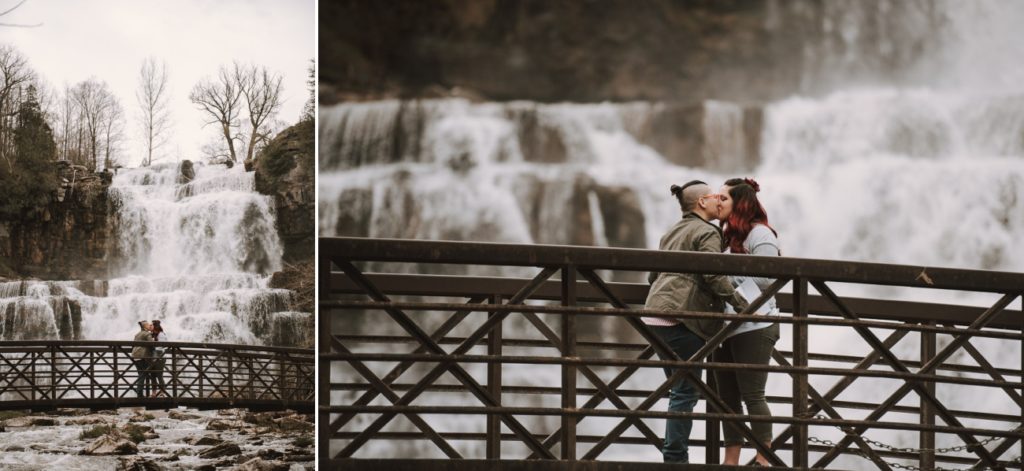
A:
(693, 292)
(139, 352)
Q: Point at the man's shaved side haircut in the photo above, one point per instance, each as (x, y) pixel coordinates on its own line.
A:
(692, 193)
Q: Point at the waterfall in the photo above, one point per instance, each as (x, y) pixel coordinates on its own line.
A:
(194, 249)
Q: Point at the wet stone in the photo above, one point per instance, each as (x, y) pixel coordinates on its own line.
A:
(218, 451)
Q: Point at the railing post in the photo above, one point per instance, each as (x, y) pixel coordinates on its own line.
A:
(231, 376)
(117, 372)
(53, 373)
(323, 376)
(281, 376)
(568, 371)
(713, 432)
(927, 442)
(800, 388)
(35, 380)
(174, 372)
(494, 387)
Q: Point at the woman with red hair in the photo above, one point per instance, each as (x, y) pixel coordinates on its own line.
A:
(746, 231)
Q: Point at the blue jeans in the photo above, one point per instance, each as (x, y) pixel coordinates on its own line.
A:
(683, 395)
(142, 367)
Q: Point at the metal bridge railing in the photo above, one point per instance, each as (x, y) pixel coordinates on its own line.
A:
(370, 374)
(49, 374)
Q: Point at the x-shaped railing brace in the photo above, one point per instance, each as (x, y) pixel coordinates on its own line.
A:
(714, 401)
(932, 364)
(457, 371)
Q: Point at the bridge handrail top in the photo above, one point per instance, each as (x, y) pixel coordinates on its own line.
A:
(158, 344)
(632, 259)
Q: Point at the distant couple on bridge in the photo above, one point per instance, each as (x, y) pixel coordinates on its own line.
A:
(743, 229)
(149, 361)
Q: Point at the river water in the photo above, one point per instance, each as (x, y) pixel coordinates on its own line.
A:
(924, 170)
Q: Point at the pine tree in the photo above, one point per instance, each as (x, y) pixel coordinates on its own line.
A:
(29, 181)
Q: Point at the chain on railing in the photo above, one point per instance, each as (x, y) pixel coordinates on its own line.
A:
(895, 449)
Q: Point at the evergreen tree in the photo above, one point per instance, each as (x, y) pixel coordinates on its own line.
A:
(30, 179)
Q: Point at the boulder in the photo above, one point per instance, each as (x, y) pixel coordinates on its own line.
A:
(220, 424)
(293, 424)
(186, 172)
(43, 422)
(137, 463)
(204, 440)
(110, 445)
(178, 415)
(257, 464)
(220, 451)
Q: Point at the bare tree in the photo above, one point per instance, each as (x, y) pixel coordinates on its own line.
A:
(15, 75)
(155, 114)
(220, 98)
(16, 25)
(96, 105)
(113, 133)
(262, 91)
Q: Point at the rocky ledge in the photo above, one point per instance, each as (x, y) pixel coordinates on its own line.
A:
(285, 170)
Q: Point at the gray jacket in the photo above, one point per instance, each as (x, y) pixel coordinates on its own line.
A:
(693, 292)
(139, 351)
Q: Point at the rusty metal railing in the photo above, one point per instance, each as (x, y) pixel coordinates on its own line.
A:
(361, 371)
(51, 374)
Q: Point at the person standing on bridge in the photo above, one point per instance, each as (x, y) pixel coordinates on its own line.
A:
(156, 367)
(745, 226)
(689, 292)
(142, 356)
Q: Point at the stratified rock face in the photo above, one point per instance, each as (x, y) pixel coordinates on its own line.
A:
(68, 239)
(619, 49)
(285, 170)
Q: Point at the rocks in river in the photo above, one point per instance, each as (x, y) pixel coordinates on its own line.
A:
(204, 440)
(178, 415)
(18, 422)
(270, 454)
(258, 464)
(293, 424)
(222, 450)
(220, 424)
(43, 422)
(137, 463)
(110, 445)
(87, 420)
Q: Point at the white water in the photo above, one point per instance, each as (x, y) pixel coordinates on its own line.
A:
(929, 172)
(198, 256)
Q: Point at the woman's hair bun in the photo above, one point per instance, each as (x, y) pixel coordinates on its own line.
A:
(676, 189)
(753, 184)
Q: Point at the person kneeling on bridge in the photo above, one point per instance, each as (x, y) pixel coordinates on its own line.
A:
(689, 292)
(141, 356)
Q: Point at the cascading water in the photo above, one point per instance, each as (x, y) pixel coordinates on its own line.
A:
(929, 173)
(194, 251)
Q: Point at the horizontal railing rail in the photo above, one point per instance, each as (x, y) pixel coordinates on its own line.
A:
(365, 367)
(50, 374)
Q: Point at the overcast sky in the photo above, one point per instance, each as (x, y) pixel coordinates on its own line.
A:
(109, 39)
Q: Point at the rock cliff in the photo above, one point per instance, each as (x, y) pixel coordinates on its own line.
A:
(285, 170)
(617, 50)
(69, 238)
